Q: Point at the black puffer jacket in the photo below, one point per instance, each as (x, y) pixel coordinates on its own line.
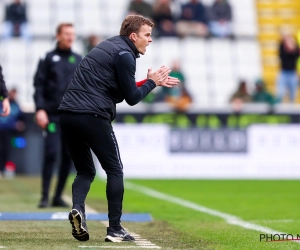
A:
(52, 78)
(3, 90)
(105, 77)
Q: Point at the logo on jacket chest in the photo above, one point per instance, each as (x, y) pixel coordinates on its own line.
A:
(56, 58)
(72, 59)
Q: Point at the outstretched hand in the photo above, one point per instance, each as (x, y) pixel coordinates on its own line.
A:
(161, 77)
(170, 82)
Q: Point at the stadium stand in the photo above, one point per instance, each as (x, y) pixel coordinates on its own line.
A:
(213, 67)
(272, 18)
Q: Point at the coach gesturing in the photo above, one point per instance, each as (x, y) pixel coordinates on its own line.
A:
(105, 77)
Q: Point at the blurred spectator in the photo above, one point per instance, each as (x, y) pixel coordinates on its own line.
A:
(220, 19)
(9, 126)
(193, 20)
(91, 42)
(16, 23)
(261, 94)
(240, 96)
(140, 7)
(287, 78)
(177, 97)
(298, 61)
(163, 18)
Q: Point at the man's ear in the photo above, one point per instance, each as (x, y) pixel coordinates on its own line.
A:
(133, 37)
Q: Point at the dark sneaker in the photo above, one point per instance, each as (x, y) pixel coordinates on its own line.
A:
(118, 236)
(79, 228)
(59, 203)
(43, 203)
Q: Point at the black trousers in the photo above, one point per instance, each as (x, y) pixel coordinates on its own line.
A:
(55, 148)
(86, 132)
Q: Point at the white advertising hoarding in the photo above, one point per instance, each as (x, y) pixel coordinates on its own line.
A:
(158, 151)
(274, 151)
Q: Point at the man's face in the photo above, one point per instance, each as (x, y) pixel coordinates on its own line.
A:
(142, 39)
(66, 37)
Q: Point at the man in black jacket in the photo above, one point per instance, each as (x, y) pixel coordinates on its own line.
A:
(51, 80)
(105, 77)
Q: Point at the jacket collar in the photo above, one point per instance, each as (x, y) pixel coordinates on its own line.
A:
(131, 45)
(61, 51)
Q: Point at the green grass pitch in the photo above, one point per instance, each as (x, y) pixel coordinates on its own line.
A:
(268, 203)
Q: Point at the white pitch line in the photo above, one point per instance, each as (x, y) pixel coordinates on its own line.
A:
(114, 247)
(141, 243)
(230, 219)
(2, 247)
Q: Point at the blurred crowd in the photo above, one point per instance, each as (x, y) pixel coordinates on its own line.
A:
(287, 81)
(171, 18)
(176, 18)
(193, 18)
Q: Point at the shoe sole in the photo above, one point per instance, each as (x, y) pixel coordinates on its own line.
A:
(109, 238)
(78, 231)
